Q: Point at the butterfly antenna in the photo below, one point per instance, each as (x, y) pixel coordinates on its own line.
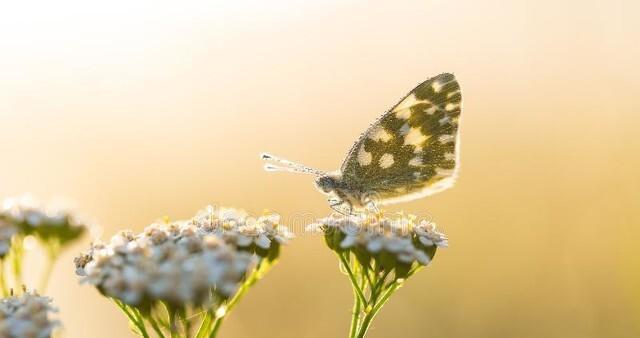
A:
(288, 166)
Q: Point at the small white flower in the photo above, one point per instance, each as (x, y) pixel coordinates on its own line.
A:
(348, 242)
(375, 245)
(27, 315)
(429, 236)
(422, 257)
(263, 241)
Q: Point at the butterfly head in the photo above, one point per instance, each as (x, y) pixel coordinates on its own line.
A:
(326, 183)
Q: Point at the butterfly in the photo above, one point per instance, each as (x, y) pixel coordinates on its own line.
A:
(410, 152)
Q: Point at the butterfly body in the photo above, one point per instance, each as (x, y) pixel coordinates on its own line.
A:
(410, 152)
(344, 197)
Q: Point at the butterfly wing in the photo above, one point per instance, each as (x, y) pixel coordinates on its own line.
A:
(412, 150)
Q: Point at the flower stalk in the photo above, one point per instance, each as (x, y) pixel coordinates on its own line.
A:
(378, 254)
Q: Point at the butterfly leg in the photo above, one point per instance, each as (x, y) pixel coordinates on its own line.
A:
(369, 202)
(341, 206)
(371, 206)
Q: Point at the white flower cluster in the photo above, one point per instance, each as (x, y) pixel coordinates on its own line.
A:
(182, 262)
(171, 263)
(405, 239)
(26, 316)
(26, 210)
(238, 228)
(44, 221)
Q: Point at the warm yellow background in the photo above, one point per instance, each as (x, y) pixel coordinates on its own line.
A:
(141, 110)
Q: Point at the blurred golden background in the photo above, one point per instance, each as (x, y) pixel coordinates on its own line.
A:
(137, 110)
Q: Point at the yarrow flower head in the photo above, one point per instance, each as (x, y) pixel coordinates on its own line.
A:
(196, 268)
(23, 218)
(378, 253)
(44, 222)
(172, 263)
(28, 315)
(392, 242)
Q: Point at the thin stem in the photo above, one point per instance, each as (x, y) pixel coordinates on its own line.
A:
(156, 328)
(132, 318)
(186, 324)
(385, 297)
(377, 305)
(365, 325)
(368, 277)
(204, 326)
(352, 277)
(17, 252)
(3, 283)
(140, 318)
(362, 308)
(355, 315)
(364, 311)
(381, 281)
(217, 322)
(173, 326)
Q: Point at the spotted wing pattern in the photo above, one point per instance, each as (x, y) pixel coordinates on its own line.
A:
(412, 150)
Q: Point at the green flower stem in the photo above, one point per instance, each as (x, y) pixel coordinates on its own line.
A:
(362, 305)
(355, 314)
(204, 325)
(17, 253)
(364, 326)
(384, 293)
(352, 277)
(173, 325)
(156, 328)
(186, 324)
(132, 318)
(140, 319)
(385, 297)
(368, 277)
(380, 282)
(377, 305)
(371, 290)
(3, 283)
